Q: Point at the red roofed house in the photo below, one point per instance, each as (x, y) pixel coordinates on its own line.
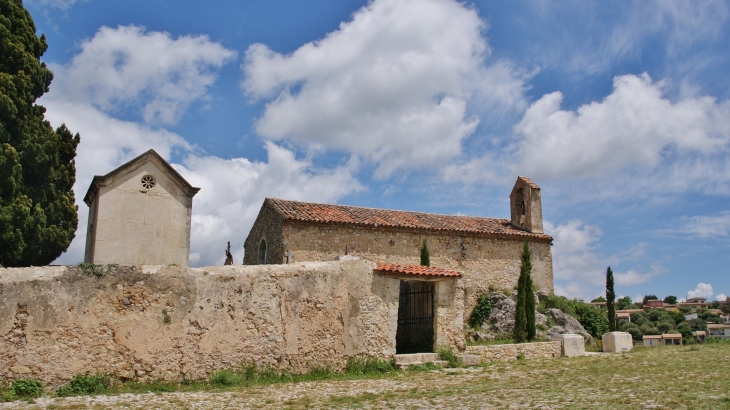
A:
(485, 250)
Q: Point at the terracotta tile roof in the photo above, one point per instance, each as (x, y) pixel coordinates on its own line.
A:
(371, 217)
(529, 182)
(417, 270)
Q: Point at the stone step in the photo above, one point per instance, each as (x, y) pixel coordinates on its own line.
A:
(414, 358)
(439, 363)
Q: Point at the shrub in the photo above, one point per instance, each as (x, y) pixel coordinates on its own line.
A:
(225, 378)
(83, 384)
(26, 388)
(634, 330)
(445, 353)
(593, 320)
(481, 311)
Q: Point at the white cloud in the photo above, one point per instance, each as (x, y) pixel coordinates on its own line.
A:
(86, 95)
(579, 268)
(721, 297)
(634, 277)
(126, 66)
(393, 85)
(57, 4)
(703, 290)
(232, 192)
(634, 127)
(706, 226)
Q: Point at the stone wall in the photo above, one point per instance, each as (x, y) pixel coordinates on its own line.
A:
(56, 322)
(486, 262)
(512, 351)
(269, 229)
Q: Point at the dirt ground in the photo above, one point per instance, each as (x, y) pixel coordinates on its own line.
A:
(672, 377)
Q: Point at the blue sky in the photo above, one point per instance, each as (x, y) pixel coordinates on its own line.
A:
(620, 111)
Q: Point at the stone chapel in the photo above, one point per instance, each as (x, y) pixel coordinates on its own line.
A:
(485, 250)
(139, 214)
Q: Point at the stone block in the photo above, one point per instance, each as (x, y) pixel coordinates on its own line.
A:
(470, 359)
(572, 345)
(614, 342)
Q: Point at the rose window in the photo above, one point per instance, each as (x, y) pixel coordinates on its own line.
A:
(148, 182)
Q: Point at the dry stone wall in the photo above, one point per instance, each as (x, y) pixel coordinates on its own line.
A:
(486, 262)
(56, 322)
(538, 350)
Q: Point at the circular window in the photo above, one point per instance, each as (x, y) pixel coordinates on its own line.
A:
(148, 182)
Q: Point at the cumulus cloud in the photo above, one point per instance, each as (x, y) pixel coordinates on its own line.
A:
(633, 127)
(703, 290)
(85, 97)
(56, 4)
(127, 66)
(635, 277)
(233, 191)
(721, 297)
(579, 267)
(392, 85)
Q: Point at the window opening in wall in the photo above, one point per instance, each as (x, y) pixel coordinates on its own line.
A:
(148, 182)
(262, 252)
(415, 332)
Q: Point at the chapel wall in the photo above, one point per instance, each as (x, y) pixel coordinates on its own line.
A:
(57, 322)
(141, 226)
(268, 226)
(486, 263)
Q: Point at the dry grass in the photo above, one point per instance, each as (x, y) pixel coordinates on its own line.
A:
(672, 377)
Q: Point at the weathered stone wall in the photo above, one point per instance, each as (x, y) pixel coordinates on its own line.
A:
(56, 322)
(129, 224)
(512, 351)
(485, 262)
(268, 227)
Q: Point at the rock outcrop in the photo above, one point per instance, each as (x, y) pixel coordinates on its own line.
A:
(564, 323)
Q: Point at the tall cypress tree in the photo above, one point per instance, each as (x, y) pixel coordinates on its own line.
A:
(425, 257)
(37, 170)
(610, 299)
(525, 308)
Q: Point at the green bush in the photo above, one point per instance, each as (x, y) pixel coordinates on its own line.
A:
(445, 353)
(225, 378)
(26, 388)
(83, 384)
(481, 311)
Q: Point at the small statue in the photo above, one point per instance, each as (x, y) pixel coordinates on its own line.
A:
(229, 256)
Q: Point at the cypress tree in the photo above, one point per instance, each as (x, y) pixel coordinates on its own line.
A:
(37, 170)
(425, 257)
(525, 308)
(610, 299)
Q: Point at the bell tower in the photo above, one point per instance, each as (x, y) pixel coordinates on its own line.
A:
(526, 206)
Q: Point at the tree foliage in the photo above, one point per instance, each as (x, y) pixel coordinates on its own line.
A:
(672, 300)
(648, 298)
(598, 299)
(37, 170)
(525, 328)
(425, 257)
(610, 300)
(593, 320)
(624, 303)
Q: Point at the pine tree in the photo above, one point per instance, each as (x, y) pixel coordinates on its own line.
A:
(425, 257)
(525, 309)
(610, 298)
(37, 170)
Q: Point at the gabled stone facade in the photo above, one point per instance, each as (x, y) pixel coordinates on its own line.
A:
(139, 214)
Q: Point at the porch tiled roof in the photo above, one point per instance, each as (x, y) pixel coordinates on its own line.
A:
(371, 217)
(416, 270)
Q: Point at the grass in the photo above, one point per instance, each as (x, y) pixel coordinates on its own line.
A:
(661, 377)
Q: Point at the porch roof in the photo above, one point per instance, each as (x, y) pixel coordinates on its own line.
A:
(416, 270)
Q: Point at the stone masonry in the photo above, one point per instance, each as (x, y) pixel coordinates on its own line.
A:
(171, 323)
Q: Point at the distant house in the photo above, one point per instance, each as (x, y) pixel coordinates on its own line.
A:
(700, 335)
(653, 304)
(625, 316)
(663, 340)
(694, 303)
(599, 305)
(718, 330)
(690, 316)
